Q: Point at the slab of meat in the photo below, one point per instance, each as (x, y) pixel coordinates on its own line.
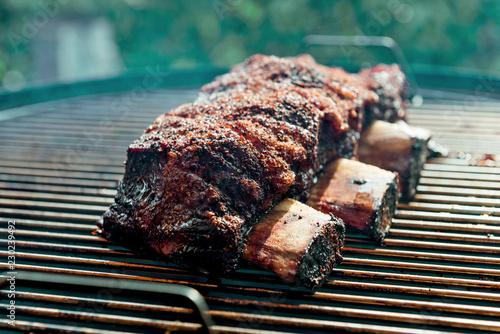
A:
(203, 174)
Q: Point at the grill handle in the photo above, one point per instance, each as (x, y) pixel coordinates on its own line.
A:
(192, 296)
(366, 41)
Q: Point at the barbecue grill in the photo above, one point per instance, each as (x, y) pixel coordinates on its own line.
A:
(61, 160)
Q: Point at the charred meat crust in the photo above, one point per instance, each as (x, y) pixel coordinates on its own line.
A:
(203, 174)
(322, 255)
(385, 212)
(194, 184)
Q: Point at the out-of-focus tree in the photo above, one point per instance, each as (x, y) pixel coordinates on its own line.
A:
(193, 33)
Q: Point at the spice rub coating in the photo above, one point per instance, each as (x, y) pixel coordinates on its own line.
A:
(204, 173)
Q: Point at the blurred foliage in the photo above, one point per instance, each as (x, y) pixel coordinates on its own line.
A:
(191, 33)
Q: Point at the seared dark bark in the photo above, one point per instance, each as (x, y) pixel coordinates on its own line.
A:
(299, 244)
(397, 147)
(203, 174)
(363, 196)
(391, 87)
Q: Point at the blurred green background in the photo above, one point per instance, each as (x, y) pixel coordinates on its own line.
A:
(71, 40)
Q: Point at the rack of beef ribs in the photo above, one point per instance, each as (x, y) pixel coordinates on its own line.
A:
(203, 174)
